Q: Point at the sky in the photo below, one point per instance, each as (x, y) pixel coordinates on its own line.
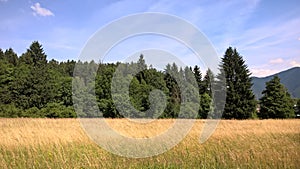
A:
(265, 32)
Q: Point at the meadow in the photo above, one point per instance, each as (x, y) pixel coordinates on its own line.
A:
(62, 143)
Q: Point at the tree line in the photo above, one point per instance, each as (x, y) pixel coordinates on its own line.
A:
(32, 86)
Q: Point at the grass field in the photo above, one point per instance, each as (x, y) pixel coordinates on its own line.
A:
(62, 143)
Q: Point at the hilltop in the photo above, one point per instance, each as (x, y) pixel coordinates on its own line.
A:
(289, 78)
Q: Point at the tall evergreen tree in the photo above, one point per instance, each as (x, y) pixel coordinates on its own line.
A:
(218, 92)
(198, 77)
(11, 57)
(6, 78)
(1, 55)
(205, 106)
(141, 63)
(37, 54)
(207, 82)
(172, 79)
(33, 74)
(240, 101)
(8, 62)
(205, 90)
(276, 102)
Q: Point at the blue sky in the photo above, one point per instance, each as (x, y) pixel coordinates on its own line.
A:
(266, 33)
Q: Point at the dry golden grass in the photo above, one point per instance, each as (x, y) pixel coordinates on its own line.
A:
(30, 132)
(62, 143)
(136, 129)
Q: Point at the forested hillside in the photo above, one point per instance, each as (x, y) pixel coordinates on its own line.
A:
(290, 79)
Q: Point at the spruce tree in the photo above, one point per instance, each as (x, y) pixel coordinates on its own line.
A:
(198, 77)
(1, 55)
(174, 94)
(32, 84)
(11, 57)
(207, 82)
(240, 101)
(276, 102)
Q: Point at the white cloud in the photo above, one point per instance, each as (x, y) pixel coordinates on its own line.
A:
(274, 66)
(294, 63)
(276, 61)
(38, 10)
(261, 72)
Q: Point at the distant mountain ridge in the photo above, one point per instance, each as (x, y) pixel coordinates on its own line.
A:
(289, 78)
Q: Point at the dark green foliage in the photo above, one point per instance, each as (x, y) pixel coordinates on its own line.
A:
(219, 95)
(33, 112)
(198, 77)
(28, 84)
(207, 82)
(141, 89)
(1, 55)
(56, 110)
(205, 91)
(205, 103)
(297, 108)
(9, 110)
(32, 86)
(276, 102)
(289, 78)
(11, 57)
(103, 90)
(174, 96)
(35, 55)
(240, 101)
(6, 79)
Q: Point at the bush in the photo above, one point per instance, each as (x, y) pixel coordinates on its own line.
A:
(32, 112)
(9, 110)
(57, 110)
